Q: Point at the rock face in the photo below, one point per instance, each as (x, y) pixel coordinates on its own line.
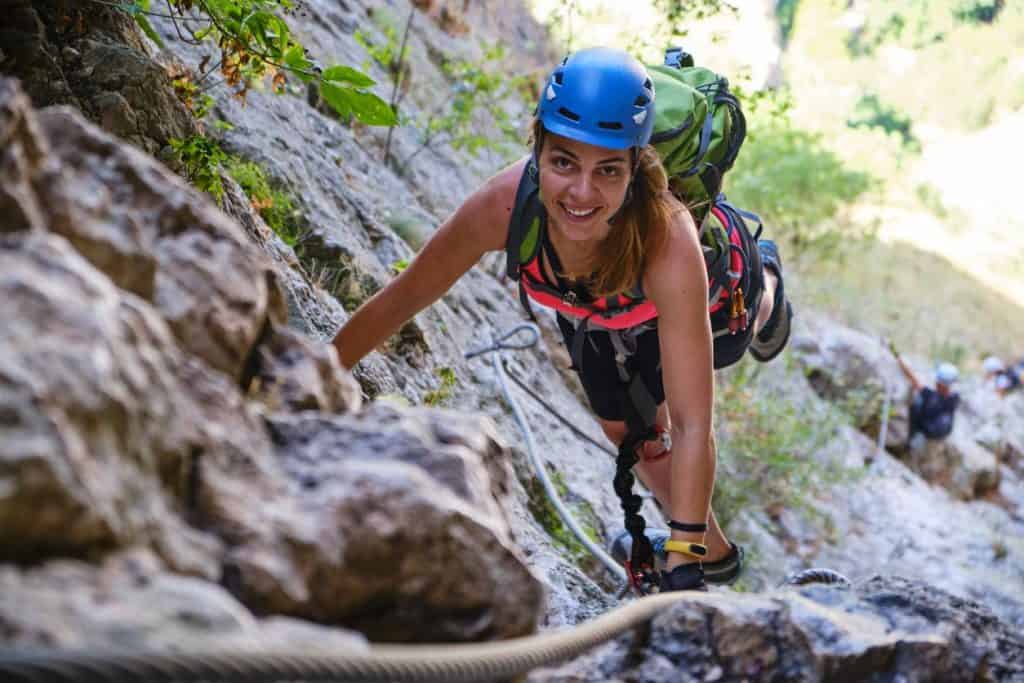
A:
(143, 356)
(131, 601)
(424, 558)
(883, 629)
(93, 58)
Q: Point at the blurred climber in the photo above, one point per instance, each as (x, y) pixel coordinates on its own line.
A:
(1004, 378)
(931, 410)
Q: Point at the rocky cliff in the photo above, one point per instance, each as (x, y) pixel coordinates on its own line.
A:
(183, 460)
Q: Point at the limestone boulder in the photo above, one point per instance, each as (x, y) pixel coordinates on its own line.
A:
(410, 526)
(102, 414)
(131, 601)
(144, 354)
(855, 370)
(140, 225)
(291, 372)
(94, 58)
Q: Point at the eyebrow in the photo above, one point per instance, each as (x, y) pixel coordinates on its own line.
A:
(609, 160)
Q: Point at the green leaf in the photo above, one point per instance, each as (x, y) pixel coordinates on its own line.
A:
(147, 28)
(295, 59)
(337, 97)
(366, 106)
(371, 109)
(346, 74)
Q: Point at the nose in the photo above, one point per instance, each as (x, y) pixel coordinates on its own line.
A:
(582, 188)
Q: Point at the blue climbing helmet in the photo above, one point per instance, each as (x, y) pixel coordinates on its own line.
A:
(600, 96)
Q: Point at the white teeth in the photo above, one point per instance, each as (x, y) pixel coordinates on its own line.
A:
(579, 213)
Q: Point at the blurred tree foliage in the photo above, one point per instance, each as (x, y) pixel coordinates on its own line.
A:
(871, 112)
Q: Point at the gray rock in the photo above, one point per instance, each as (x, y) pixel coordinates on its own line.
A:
(883, 629)
(123, 411)
(387, 567)
(100, 65)
(157, 237)
(132, 602)
(102, 413)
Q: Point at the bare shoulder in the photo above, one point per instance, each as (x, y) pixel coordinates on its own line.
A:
(680, 246)
(487, 211)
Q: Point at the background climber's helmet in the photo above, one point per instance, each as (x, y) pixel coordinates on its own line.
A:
(992, 364)
(600, 96)
(946, 374)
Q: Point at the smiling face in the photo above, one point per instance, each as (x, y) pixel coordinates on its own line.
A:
(582, 186)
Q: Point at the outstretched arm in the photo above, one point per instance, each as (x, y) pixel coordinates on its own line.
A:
(479, 225)
(676, 282)
(908, 373)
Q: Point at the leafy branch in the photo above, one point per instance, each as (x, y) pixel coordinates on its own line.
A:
(255, 42)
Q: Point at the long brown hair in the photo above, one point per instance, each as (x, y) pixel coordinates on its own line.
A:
(637, 231)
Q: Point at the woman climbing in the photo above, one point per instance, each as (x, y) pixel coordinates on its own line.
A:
(619, 257)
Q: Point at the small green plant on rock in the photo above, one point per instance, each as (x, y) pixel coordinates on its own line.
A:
(202, 160)
(448, 383)
(275, 206)
(548, 518)
(476, 116)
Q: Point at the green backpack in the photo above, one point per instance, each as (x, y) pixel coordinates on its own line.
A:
(698, 129)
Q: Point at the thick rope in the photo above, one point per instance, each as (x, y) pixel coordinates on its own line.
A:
(438, 662)
(445, 662)
(816, 575)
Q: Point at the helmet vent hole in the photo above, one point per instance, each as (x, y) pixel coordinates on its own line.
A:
(648, 85)
(610, 125)
(641, 100)
(558, 77)
(571, 115)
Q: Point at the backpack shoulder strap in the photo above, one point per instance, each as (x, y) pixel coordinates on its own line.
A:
(525, 212)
